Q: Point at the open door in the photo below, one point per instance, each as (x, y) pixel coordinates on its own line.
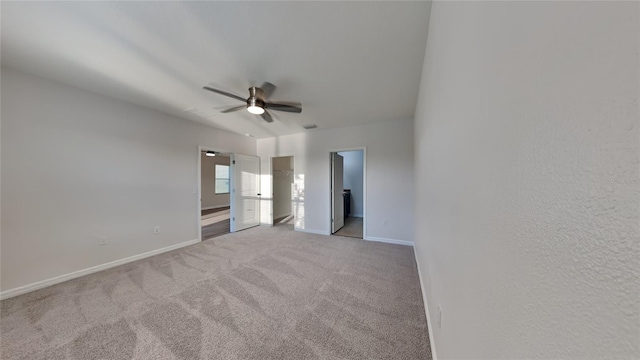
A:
(337, 201)
(245, 194)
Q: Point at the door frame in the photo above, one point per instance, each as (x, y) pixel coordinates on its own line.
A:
(364, 186)
(271, 185)
(338, 212)
(199, 188)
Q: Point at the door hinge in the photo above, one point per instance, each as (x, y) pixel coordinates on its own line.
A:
(233, 218)
(234, 162)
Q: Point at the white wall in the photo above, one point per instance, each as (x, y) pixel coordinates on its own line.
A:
(353, 179)
(527, 178)
(210, 199)
(78, 165)
(282, 183)
(389, 173)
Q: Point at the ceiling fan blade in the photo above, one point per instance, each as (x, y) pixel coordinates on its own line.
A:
(234, 108)
(293, 108)
(268, 89)
(266, 116)
(224, 93)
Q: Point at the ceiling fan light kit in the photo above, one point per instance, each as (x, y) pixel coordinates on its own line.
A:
(257, 103)
(255, 109)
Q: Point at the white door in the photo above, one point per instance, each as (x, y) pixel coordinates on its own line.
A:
(337, 206)
(245, 192)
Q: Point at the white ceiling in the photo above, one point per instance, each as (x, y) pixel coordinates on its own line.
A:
(347, 62)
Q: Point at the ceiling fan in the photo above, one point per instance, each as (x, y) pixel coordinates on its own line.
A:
(257, 103)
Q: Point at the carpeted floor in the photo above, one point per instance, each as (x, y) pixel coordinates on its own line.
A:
(262, 293)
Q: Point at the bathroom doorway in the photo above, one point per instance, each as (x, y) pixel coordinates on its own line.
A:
(348, 193)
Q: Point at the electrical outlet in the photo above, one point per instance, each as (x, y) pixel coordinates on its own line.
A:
(102, 241)
(384, 222)
(439, 318)
(156, 230)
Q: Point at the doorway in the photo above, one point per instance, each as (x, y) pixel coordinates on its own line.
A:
(228, 185)
(215, 192)
(282, 175)
(348, 193)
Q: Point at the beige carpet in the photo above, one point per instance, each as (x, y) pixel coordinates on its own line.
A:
(263, 293)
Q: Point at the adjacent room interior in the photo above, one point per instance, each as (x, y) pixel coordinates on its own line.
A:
(215, 203)
(283, 188)
(172, 172)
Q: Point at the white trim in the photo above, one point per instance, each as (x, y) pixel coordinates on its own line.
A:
(390, 241)
(76, 274)
(214, 207)
(312, 231)
(426, 308)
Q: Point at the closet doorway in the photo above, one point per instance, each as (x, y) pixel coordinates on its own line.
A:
(283, 187)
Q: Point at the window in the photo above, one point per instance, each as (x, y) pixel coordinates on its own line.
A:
(222, 179)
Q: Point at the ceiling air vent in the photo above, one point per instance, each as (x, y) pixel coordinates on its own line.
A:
(309, 127)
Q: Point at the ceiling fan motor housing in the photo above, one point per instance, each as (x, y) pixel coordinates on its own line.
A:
(256, 97)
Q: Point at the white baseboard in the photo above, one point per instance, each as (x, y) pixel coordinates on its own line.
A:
(76, 274)
(426, 308)
(368, 238)
(312, 231)
(356, 215)
(389, 241)
(214, 207)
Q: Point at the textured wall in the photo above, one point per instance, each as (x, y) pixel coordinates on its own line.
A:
(528, 184)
